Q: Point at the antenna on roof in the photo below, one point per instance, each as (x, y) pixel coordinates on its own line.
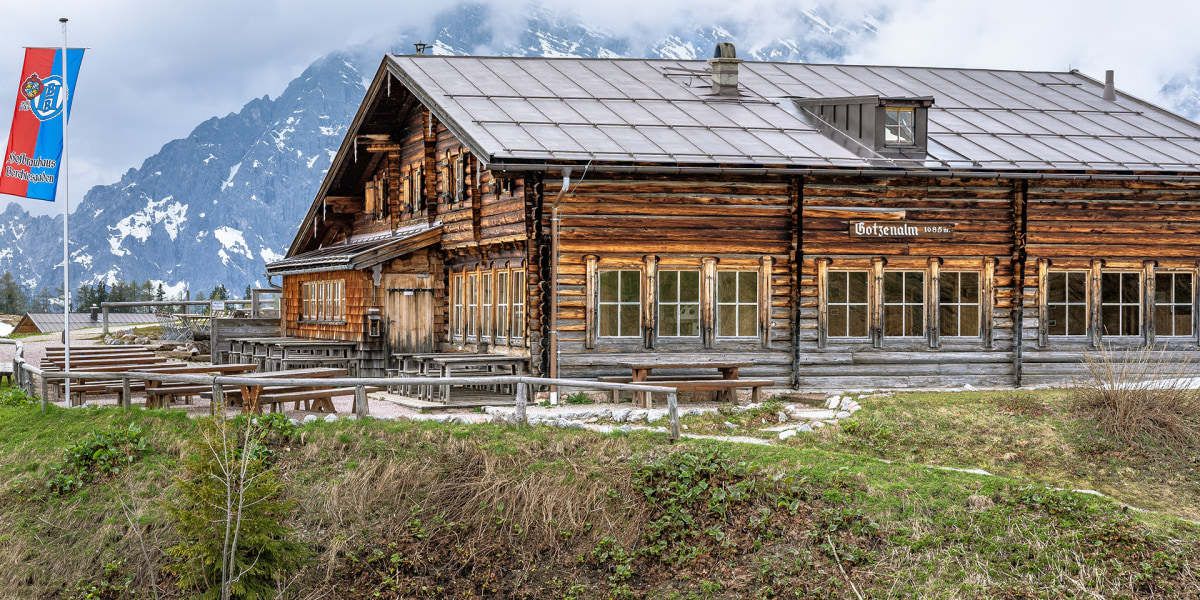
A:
(1110, 91)
(420, 46)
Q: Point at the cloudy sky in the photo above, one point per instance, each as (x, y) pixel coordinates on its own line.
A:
(156, 69)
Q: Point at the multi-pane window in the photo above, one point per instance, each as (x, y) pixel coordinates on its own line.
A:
(518, 304)
(679, 303)
(904, 303)
(486, 293)
(1173, 308)
(1120, 303)
(847, 303)
(472, 304)
(898, 126)
(958, 304)
(323, 300)
(737, 303)
(502, 304)
(620, 303)
(1066, 303)
(456, 317)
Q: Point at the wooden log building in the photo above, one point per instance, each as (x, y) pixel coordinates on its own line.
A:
(837, 226)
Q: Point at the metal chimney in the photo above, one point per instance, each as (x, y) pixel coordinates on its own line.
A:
(1110, 91)
(724, 65)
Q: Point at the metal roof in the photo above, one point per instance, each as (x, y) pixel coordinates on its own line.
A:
(51, 322)
(359, 253)
(663, 112)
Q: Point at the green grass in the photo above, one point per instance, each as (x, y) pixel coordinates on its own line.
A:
(409, 509)
(1029, 436)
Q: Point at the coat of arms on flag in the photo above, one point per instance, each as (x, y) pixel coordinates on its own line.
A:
(35, 143)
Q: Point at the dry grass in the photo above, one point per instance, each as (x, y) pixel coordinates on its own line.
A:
(1142, 396)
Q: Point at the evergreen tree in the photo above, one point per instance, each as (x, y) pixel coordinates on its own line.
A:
(248, 293)
(219, 293)
(160, 294)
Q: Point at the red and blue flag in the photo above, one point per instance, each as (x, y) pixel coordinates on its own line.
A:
(35, 144)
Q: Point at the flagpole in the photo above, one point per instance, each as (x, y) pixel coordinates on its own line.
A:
(66, 211)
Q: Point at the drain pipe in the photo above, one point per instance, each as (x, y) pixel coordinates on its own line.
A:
(566, 185)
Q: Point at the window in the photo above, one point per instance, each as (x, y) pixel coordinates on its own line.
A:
(487, 305)
(518, 304)
(958, 304)
(1120, 303)
(322, 300)
(472, 304)
(737, 303)
(418, 191)
(1066, 303)
(458, 180)
(679, 303)
(502, 304)
(620, 303)
(1173, 307)
(898, 127)
(456, 319)
(904, 303)
(847, 303)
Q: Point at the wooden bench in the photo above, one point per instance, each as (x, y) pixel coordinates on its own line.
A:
(702, 383)
(326, 395)
(6, 372)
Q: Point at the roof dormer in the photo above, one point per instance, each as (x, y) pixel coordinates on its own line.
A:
(873, 126)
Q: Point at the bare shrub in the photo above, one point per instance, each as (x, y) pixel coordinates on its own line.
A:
(1142, 395)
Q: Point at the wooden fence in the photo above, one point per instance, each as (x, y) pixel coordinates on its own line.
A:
(24, 374)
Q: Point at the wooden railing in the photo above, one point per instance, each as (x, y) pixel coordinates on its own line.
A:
(24, 374)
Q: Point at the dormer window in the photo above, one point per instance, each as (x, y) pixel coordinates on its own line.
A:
(898, 127)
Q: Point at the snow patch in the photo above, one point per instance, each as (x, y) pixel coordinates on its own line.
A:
(141, 224)
(209, 159)
(233, 241)
(311, 160)
(82, 258)
(228, 183)
(325, 130)
(268, 255)
(6, 329)
(97, 213)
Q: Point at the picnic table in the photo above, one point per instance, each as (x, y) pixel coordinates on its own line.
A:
(198, 324)
(285, 353)
(642, 372)
(441, 365)
(160, 391)
(253, 394)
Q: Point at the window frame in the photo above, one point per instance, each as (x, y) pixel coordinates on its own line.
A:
(978, 304)
(738, 303)
(923, 304)
(517, 307)
(323, 301)
(486, 304)
(900, 142)
(503, 297)
(866, 303)
(1139, 303)
(1190, 303)
(1067, 303)
(457, 308)
(471, 321)
(620, 304)
(678, 304)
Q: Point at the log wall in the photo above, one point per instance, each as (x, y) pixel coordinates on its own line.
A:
(980, 213)
(651, 224)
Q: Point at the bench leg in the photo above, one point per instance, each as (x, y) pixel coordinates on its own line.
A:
(755, 394)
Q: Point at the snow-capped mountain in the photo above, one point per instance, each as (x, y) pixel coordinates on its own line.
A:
(1183, 92)
(215, 206)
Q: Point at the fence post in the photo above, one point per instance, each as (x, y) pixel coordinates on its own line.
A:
(522, 399)
(218, 398)
(126, 393)
(360, 401)
(673, 414)
(45, 394)
(105, 313)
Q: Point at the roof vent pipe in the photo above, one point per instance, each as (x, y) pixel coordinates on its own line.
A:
(1110, 91)
(724, 65)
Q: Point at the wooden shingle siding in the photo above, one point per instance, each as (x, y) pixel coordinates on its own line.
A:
(358, 289)
(980, 211)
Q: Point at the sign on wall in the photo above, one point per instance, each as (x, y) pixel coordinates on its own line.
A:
(901, 229)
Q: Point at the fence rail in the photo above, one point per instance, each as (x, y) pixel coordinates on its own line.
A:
(24, 374)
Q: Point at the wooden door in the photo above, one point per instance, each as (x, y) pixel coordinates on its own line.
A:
(408, 313)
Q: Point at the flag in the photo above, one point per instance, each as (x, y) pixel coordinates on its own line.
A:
(35, 143)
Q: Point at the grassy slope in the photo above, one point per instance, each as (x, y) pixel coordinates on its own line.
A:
(408, 510)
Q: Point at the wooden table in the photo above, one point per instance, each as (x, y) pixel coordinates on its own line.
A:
(185, 369)
(300, 350)
(643, 368)
(444, 366)
(250, 393)
(196, 323)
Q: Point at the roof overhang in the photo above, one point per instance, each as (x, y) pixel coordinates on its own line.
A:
(357, 255)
